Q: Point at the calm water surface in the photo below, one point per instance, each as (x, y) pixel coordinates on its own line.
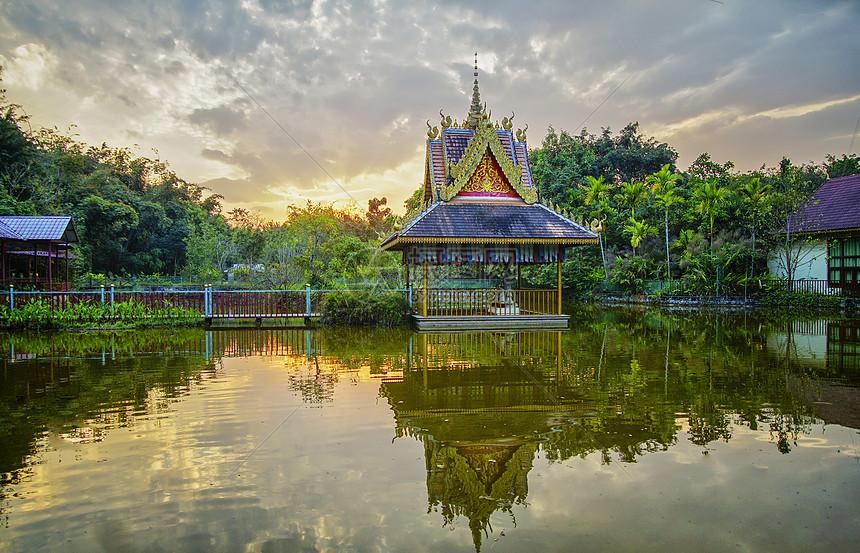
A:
(630, 432)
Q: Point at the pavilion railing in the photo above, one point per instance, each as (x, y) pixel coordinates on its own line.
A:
(440, 302)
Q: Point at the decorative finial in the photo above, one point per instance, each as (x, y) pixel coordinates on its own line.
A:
(476, 110)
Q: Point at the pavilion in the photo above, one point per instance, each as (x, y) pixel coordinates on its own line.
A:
(480, 208)
(34, 251)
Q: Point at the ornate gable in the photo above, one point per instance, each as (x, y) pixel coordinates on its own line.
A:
(485, 143)
(488, 180)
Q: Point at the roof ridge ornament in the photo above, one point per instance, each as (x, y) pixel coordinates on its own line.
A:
(477, 111)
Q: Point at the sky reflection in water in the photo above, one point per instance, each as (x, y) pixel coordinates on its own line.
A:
(633, 432)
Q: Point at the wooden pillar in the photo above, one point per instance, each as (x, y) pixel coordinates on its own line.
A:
(407, 275)
(558, 275)
(424, 300)
(68, 286)
(50, 270)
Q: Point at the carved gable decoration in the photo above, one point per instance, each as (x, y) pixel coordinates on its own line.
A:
(488, 180)
(485, 142)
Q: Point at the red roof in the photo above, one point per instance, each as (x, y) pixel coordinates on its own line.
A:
(834, 207)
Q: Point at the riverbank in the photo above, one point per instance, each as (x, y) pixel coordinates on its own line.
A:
(848, 307)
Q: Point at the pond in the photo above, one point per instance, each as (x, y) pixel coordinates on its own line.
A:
(632, 431)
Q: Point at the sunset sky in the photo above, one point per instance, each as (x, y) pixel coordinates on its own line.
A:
(354, 82)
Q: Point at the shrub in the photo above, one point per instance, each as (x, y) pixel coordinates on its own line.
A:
(365, 308)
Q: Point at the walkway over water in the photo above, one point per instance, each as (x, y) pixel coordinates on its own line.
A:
(435, 309)
(212, 304)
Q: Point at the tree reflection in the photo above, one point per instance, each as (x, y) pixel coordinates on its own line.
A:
(617, 386)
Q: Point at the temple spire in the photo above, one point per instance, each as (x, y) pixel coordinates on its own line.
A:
(476, 110)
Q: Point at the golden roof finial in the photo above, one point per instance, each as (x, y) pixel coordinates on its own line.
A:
(476, 110)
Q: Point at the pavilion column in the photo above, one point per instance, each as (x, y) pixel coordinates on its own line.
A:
(408, 291)
(50, 270)
(558, 278)
(68, 287)
(424, 300)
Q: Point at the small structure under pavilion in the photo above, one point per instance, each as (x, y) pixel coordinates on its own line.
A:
(481, 208)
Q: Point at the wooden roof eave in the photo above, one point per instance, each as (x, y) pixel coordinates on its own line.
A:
(836, 233)
(406, 240)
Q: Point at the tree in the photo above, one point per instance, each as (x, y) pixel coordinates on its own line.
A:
(379, 220)
(710, 196)
(638, 231)
(842, 167)
(632, 194)
(597, 194)
(753, 192)
(663, 186)
(792, 185)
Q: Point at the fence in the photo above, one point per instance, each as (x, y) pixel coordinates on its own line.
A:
(443, 302)
(718, 288)
(211, 303)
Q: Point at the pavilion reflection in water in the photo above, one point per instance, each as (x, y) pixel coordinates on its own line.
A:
(484, 405)
(481, 403)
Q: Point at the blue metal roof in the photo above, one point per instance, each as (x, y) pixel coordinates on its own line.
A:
(59, 229)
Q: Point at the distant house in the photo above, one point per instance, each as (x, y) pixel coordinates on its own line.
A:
(34, 251)
(829, 225)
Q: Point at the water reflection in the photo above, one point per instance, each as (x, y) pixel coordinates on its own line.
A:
(486, 408)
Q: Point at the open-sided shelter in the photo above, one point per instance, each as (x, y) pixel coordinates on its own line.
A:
(481, 207)
(34, 251)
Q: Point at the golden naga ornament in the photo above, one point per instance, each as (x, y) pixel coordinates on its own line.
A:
(508, 122)
(521, 134)
(447, 122)
(432, 132)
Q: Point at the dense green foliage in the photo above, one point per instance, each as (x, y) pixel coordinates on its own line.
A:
(39, 315)
(698, 225)
(366, 308)
(135, 216)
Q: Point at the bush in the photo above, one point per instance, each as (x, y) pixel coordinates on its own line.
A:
(38, 315)
(365, 308)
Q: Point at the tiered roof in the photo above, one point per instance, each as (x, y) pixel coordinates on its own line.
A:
(478, 188)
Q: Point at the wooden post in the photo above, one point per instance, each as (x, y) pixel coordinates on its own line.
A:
(424, 300)
(50, 270)
(558, 272)
(408, 290)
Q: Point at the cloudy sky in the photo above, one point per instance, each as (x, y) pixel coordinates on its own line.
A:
(348, 85)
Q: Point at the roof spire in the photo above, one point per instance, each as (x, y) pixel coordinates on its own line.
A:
(476, 110)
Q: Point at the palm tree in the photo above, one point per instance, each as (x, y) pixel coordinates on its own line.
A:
(664, 181)
(598, 190)
(754, 191)
(710, 195)
(638, 231)
(632, 194)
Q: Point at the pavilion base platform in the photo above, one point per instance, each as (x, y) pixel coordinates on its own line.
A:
(494, 322)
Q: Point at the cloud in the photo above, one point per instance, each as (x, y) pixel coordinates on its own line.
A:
(344, 89)
(28, 67)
